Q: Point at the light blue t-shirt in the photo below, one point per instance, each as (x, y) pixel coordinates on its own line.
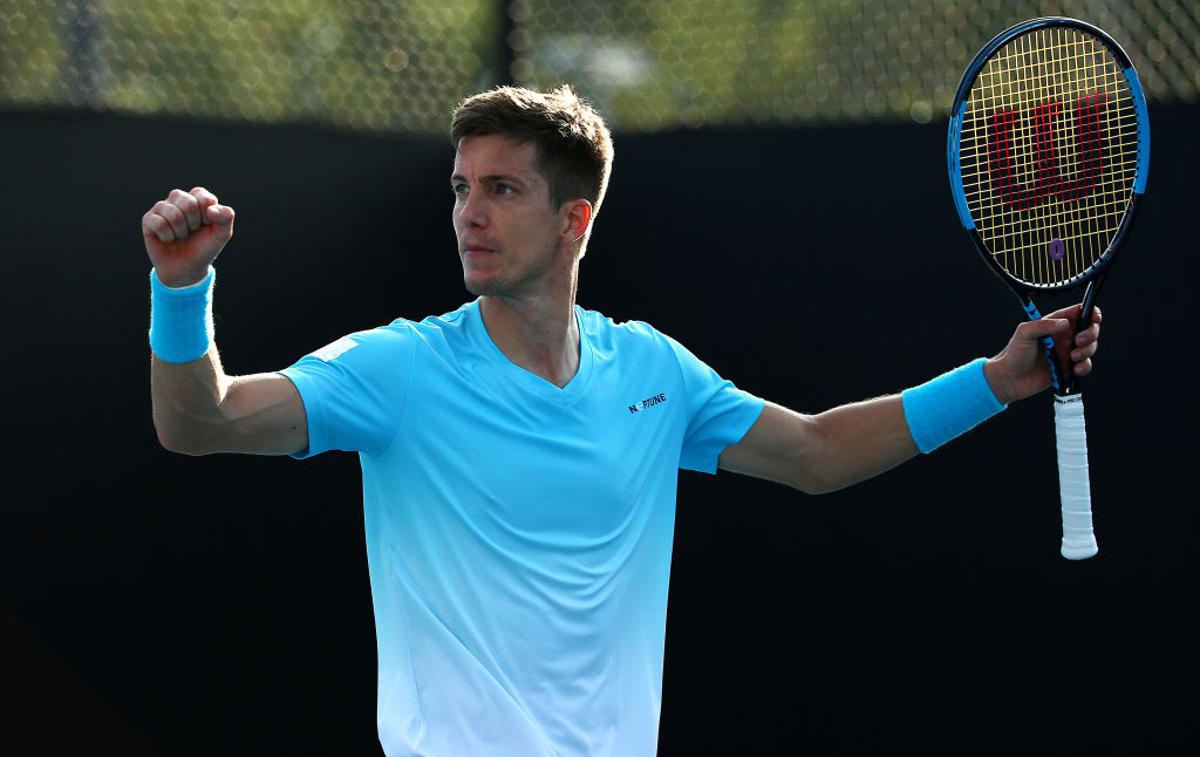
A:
(518, 534)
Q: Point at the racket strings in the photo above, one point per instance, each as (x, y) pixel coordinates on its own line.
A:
(1048, 151)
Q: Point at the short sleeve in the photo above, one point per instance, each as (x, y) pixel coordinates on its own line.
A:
(719, 414)
(354, 390)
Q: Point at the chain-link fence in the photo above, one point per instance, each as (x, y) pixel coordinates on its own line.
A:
(356, 63)
(649, 64)
(686, 62)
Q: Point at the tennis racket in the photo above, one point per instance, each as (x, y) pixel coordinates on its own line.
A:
(1048, 152)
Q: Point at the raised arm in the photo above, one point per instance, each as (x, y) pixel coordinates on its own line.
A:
(845, 445)
(198, 409)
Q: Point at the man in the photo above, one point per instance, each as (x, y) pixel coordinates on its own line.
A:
(519, 454)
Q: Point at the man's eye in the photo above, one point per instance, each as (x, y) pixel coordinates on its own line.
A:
(504, 189)
(458, 189)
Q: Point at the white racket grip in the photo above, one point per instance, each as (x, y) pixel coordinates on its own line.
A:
(1079, 541)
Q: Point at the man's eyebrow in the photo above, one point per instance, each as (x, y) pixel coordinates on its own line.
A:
(493, 178)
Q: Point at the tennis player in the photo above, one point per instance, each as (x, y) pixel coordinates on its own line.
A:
(520, 453)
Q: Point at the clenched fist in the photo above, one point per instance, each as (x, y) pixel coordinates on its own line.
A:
(185, 233)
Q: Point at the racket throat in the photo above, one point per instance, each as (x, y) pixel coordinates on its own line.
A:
(1057, 383)
(1075, 383)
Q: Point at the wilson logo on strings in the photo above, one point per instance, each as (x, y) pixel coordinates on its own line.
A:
(1039, 126)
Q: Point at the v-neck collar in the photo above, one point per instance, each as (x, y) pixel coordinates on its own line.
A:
(527, 379)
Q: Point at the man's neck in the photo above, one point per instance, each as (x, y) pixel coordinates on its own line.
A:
(538, 333)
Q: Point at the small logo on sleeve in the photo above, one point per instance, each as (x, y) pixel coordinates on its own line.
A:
(649, 402)
(334, 350)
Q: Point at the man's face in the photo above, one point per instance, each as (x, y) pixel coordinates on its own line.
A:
(507, 232)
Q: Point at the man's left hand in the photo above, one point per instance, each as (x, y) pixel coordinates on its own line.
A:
(1020, 370)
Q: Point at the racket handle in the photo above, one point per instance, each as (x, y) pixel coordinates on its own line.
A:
(1079, 541)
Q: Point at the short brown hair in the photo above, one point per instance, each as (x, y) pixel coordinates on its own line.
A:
(574, 147)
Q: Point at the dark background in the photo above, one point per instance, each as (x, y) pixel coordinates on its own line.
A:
(154, 604)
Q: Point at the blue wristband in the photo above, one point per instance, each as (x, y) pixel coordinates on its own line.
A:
(181, 325)
(949, 405)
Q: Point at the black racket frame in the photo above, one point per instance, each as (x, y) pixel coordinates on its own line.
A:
(1064, 381)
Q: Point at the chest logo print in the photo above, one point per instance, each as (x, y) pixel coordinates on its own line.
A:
(649, 402)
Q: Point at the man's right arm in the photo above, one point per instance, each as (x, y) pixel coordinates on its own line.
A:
(197, 408)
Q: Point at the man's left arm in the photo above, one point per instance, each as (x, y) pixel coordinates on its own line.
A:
(851, 443)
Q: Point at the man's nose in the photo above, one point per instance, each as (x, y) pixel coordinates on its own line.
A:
(473, 212)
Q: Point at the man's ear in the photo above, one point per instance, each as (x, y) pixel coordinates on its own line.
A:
(578, 217)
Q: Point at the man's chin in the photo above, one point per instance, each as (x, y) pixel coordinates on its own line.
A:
(480, 286)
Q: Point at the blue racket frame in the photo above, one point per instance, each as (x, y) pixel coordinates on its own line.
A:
(1063, 381)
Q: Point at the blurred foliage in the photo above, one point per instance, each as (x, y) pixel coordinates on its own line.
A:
(686, 62)
(401, 65)
(357, 63)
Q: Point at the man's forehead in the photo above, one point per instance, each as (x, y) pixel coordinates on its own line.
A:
(495, 154)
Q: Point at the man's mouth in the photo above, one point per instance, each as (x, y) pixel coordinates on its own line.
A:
(477, 254)
(478, 249)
